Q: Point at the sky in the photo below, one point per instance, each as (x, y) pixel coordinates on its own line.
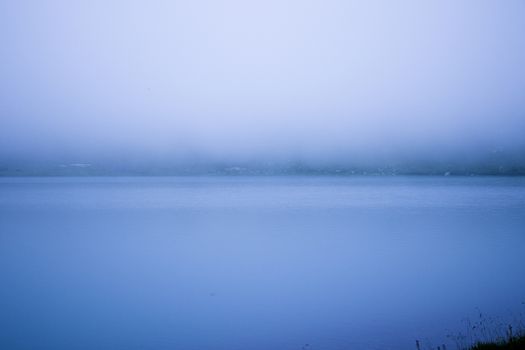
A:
(272, 79)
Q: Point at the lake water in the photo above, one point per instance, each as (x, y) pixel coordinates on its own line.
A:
(198, 263)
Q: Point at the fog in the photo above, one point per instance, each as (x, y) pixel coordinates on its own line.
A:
(232, 80)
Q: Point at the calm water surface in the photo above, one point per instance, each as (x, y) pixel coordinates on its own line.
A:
(198, 263)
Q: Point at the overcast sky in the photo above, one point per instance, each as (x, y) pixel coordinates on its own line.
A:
(272, 78)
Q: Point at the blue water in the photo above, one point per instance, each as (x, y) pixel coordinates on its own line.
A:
(198, 263)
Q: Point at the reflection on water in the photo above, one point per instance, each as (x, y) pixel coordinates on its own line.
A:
(201, 263)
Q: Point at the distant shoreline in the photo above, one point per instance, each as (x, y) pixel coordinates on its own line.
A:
(298, 168)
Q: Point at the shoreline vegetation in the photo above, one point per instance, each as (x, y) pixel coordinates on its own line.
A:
(485, 333)
(514, 343)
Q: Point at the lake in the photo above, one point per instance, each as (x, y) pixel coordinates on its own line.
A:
(198, 263)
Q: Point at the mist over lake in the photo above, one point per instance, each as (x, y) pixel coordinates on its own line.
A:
(351, 82)
(249, 175)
